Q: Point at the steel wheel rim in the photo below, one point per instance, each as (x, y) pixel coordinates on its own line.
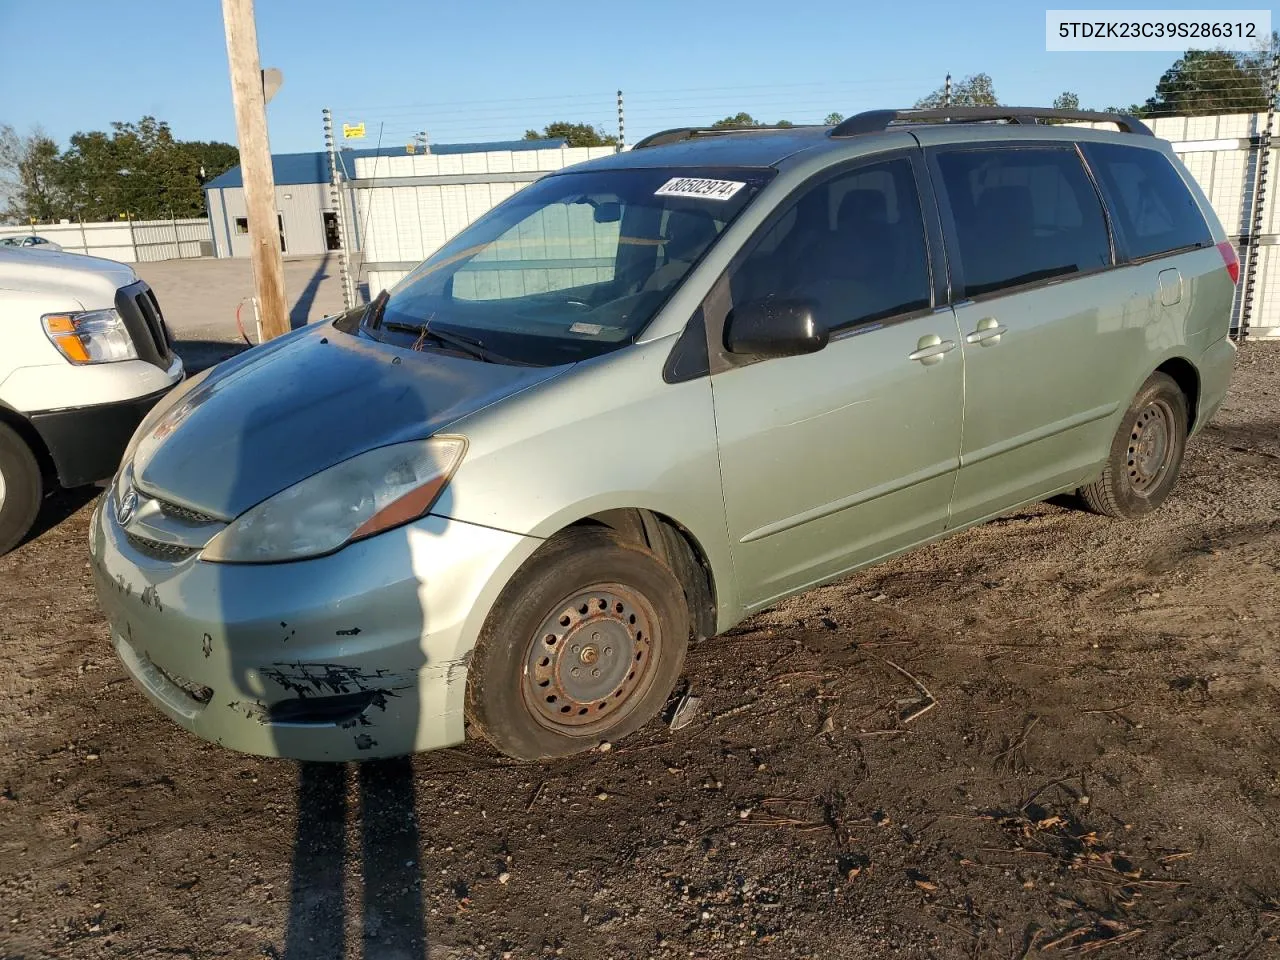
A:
(592, 659)
(1150, 446)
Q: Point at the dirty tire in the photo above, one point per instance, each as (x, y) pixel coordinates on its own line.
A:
(1146, 453)
(20, 489)
(587, 603)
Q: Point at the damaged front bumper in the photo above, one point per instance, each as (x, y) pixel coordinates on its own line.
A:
(359, 654)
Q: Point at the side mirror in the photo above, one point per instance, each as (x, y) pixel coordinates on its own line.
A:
(774, 328)
(609, 212)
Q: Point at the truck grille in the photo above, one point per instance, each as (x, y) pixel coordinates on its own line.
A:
(138, 306)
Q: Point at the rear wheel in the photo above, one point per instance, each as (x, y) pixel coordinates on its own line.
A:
(1146, 453)
(20, 489)
(584, 644)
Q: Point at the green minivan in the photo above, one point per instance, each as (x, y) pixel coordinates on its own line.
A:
(646, 397)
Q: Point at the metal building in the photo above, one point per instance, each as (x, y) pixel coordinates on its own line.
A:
(307, 220)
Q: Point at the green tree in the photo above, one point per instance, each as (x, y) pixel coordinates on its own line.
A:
(736, 122)
(212, 158)
(833, 118)
(573, 134)
(1066, 101)
(1203, 82)
(974, 91)
(141, 170)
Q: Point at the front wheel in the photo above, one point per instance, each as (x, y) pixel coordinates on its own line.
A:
(20, 489)
(585, 644)
(1146, 453)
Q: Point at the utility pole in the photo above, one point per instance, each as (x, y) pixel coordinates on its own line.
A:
(255, 164)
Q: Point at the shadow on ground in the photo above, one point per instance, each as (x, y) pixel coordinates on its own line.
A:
(60, 505)
(392, 919)
(198, 355)
(301, 311)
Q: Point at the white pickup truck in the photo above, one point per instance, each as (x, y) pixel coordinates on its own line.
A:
(84, 354)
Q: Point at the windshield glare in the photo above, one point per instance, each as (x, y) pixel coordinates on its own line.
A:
(572, 266)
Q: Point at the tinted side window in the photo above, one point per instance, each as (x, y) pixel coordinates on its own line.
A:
(853, 245)
(1153, 209)
(1023, 215)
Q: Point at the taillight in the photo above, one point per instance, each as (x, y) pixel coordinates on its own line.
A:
(1228, 251)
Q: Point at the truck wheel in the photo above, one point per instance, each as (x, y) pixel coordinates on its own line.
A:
(1146, 453)
(20, 489)
(584, 644)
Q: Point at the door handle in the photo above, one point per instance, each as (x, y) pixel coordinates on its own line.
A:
(989, 331)
(930, 349)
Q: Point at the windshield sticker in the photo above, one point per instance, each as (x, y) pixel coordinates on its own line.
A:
(590, 328)
(698, 187)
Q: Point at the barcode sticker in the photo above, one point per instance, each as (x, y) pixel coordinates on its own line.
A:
(699, 187)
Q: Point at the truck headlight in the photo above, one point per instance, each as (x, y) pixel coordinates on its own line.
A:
(93, 336)
(357, 498)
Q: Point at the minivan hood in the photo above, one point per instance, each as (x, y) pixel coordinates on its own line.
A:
(92, 281)
(284, 411)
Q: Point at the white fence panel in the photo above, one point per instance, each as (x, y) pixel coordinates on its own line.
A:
(126, 241)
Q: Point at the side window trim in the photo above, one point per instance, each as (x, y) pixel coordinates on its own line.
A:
(718, 302)
(951, 237)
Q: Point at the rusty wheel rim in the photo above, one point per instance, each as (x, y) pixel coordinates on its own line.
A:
(592, 659)
(1150, 447)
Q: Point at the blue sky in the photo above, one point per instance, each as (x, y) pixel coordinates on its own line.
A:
(484, 69)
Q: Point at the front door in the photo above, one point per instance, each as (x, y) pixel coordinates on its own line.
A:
(1048, 332)
(833, 459)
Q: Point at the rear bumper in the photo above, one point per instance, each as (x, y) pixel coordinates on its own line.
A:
(1215, 377)
(86, 443)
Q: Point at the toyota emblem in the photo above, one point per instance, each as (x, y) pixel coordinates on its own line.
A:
(127, 505)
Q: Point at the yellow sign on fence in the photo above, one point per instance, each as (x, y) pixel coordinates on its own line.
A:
(352, 131)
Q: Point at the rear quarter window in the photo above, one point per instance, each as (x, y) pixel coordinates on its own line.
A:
(1152, 209)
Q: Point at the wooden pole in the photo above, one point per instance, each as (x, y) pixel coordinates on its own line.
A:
(255, 164)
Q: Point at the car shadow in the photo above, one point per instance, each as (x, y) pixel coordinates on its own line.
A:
(198, 355)
(58, 506)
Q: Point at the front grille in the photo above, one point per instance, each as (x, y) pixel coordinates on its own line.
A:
(149, 307)
(183, 513)
(157, 550)
(138, 307)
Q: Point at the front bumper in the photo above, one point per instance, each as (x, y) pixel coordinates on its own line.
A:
(86, 443)
(352, 656)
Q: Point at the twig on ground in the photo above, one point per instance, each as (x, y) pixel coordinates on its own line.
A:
(929, 701)
(1011, 756)
(1093, 945)
(1067, 937)
(536, 794)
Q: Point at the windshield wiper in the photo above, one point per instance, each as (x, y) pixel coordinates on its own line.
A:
(456, 341)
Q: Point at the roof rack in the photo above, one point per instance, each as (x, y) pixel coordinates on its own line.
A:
(677, 134)
(877, 121)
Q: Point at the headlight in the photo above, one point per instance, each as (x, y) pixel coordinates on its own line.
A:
(357, 498)
(97, 336)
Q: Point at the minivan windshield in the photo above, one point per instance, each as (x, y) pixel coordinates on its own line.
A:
(572, 266)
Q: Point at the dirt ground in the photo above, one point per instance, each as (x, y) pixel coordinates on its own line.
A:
(1098, 771)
